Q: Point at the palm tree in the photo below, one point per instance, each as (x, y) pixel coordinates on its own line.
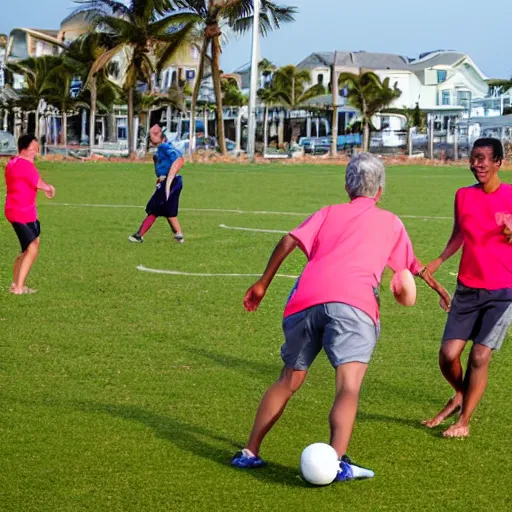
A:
(232, 96)
(238, 15)
(81, 55)
(293, 89)
(369, 95)
(39, 74)
(149, 33)
(269, 96)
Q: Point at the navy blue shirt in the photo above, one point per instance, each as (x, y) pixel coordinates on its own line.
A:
(166, 154)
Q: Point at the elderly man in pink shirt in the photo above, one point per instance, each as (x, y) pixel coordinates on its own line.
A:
(335, 304)
(482, 304)
(23, 181)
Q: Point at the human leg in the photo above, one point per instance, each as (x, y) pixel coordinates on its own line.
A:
(342, 417)
(451, 368)
(25, 264)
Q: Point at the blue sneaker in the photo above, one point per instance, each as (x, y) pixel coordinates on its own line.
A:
(247, 459)
(350, 471)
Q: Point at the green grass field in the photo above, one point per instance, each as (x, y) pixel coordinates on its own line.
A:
(122, 390)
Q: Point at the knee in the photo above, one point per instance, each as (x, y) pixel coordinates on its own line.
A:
(34, 246)
(480, 357)
(448, 356)
(292, 379)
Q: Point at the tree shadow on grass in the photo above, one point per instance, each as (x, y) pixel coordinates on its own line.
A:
(269, 371)
(408, 422)
(196, 440)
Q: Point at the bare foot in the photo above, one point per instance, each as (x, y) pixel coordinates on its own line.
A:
(457, 430)
(448, 410)
(12, 287)
(22, 291)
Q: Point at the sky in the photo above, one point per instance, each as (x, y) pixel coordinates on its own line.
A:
(403, 27)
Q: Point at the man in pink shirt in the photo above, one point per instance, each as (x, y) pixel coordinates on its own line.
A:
(482, 305)
(23, 181)
(335, 304)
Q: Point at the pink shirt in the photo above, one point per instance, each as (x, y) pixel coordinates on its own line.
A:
(486, 255)
(21, 178)
(348, 246)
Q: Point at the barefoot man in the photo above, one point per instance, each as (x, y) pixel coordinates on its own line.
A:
(482, 306)
(23, 181)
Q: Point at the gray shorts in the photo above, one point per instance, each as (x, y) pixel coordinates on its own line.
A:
(346, 333)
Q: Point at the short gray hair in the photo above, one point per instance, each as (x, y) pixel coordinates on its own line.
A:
(365, 175)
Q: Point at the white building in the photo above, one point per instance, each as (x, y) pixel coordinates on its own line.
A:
(443, 83)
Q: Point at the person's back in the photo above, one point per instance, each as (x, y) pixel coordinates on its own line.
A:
(21, 179)
(348, 247)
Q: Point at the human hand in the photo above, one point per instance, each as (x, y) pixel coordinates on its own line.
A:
(433, 266)
(445, 301)
(254, 296)
(50, 192)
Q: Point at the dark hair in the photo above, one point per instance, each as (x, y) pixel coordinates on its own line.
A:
(25, 140)
(494, 144)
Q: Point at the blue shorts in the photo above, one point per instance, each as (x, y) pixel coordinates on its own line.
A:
(482, 316)
(159, 206)
(346, 333)
(27, 233)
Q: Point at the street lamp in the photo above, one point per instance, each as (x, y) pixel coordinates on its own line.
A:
(251, 136)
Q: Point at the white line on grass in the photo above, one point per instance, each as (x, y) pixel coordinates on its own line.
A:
(142, 268)
(219, 210)
(252, 229)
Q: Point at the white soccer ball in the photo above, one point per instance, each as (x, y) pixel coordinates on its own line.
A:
(319, 464)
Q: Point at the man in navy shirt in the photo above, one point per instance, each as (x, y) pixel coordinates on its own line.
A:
(165, 200)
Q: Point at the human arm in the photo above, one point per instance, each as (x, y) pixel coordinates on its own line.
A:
(402, 257)
(49, 190)
(454, 244)
(444, 297)
(257, 291)
(175, 169)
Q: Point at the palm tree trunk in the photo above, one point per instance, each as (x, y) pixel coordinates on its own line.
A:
(218, 93)
(37, 124)
(112, 127)
(239, 130)
(195, 95)
(205, 121)
(92, 116)
(265, 132)
(148, 127)
(366, 135)
(65, 130)
(130, 122)
(280, 131)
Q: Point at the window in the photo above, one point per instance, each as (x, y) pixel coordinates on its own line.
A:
(320, 79)
(445, 98)
(441, 76)
(463, 98)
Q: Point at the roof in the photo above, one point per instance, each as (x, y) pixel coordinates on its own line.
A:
(316, 60)
(441, 58)
(51, 33)
(369, 60)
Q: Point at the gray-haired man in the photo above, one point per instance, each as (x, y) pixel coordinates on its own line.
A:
(334, 305)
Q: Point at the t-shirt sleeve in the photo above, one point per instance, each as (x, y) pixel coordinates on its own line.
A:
(402, 255)
(31, 174)
(306, 233)
(172, 154)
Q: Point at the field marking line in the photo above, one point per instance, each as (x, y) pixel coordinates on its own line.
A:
(220, 210)
(236, 228)
(142, 268)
